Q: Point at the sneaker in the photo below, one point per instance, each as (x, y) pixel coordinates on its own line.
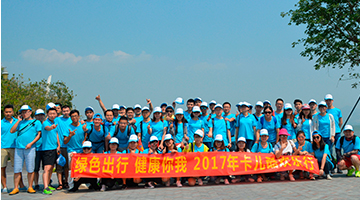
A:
(51, 188)
(23, 189)
(31, 190)
(4, 191)
(311, 176)
(15, 191)
(47, 191)
(339, 171)
(357, 173)
(103, 188)
(328, 177)
(124, 187)
(149, 185)
(350, 172)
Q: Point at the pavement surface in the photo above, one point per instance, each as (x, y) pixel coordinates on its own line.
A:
(341, 187)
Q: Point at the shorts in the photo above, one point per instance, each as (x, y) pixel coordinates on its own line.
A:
(38, 159)
(27, 155)
(5, 155)
(49, 157)
(348, 162)
(60, 169)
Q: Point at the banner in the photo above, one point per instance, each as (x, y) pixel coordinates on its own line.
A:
(185, 164)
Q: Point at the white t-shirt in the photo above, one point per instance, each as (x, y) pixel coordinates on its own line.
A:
(288, 150)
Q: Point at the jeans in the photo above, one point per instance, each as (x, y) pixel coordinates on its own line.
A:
(337, 136)
(328, 142)
(327, 166)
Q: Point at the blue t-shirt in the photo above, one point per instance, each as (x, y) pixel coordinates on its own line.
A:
(145, 136)
(75, 142)
(257, 148)
(319, 154)
(138, 119)
(324, 125)
(123, 137)
(158, 129)
(108, 152)
(307, 146)
(246, 126)
(63, 124)
(232, 125)
(179, 135)
(187, 116)
(349, 145)
(28, 134)
(146, 151)
(127, 151)
(291, 130)
(116, 119)
(220, 126)
(279, 116)
(306, 128)
(178, 150)
(270, 127)
(221, 150)
(7, 138)
(96, 136)
(194, 126)
(49, 138)
(336, 112)
(206, 128)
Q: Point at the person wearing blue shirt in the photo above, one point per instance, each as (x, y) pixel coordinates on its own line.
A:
(170, 147)
(132, 148)
(28, 133)
(50, 146)
(320, 150)
(63, 123)
(262, 147)
(303, 147)
(258, 109)
(189, 104)
(122, 132)
(298, 105)
(313, 106)
(39, 115)
(231, 118)
(157, 126)
(271, 124)
(219, 146)
(350, 144)
(219, 125)
(142, 127)
(205, 118)
(8, 144)
(96, 134)
(178, 128)
(194, 124)
(246, 125)
(279, 108)
(75, 135)
(305, 122)
(336, 113)
(89, 113)
(289, 122)
(110, 182)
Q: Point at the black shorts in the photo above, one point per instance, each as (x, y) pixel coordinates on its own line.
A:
(49, 157)
(38, 159)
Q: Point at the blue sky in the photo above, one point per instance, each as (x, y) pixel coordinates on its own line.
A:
(128, 51)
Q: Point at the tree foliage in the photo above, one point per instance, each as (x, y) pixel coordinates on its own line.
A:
(17, 92)
(332, 34)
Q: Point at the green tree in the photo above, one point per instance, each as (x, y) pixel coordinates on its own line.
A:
(17, 92)
(332, 34)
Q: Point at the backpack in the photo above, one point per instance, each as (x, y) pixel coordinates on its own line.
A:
(343, 138)
(91, 130)
(258, 147)
(117, 129)
(257, 119)
(262, 120)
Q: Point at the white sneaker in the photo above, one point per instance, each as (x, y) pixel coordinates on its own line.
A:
(328, 177)
(103, 188)
(71, 184)
(4, 191)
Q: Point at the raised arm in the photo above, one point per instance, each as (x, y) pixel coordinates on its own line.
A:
(102, 106)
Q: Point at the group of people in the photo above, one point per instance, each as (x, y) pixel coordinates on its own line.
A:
(309, 129)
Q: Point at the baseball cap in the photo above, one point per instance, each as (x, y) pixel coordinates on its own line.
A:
(287, 106)
(168, 137)
(219, 137)
(312, 101)
(348, 127)
(322, 103)
(179, 101)
(163, 104)
(122, 106)
(116, 107)
(196, 109)
(97, 115)
(317, 133)
(133, 138)
(198, 99)
(157, 109)
(305, 107)
(50, 105)
(39, 112)
(241, 139)
(145, 108)
(25, 107)
(114, 140)
(169, 107)
(89, 108)
(204, 104)
(153, 138)
(328, 97)
(264, 132)
(259, 103)
(87, 144)
(179, 111)
(137, 106)
(212, 102)
(218, 106)
(199, 132)
(267, 101)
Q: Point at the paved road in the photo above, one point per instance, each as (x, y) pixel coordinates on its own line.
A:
(341, 187)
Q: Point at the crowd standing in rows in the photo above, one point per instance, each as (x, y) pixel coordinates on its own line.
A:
(202, 127)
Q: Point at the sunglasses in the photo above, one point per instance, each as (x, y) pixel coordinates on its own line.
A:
(316, 137)
(203, 108)
(301, 137)
(196, 112)
(267, 112)
(283, 135)
(86, 148)
(169, 111)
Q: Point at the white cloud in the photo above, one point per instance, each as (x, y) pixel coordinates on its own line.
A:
(54, 57)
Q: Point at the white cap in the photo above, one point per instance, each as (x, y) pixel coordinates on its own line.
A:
(348, 127)
(168, 137)
(259, 103)
(198, 98)
(89, 108)
(264, 132)
(246, 104)
(179, 101)
(137, 106)
(204, 104)
(87, 144)
(50, 105)
(116, 107)
(157, 109)
(218, 106)
(241, 139)
(25, 107)
(145, 108)
(212, 102)
(39, 112)
(114, 140)
(239, 104)
(196, 109)
(219, 137)
(122, 106)
(179, 111)
(328, 97)
(153, 138)
(287, 106)
(133, 138)
(199, 132)
(267, 101)
(322, 103)
(312, 101)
